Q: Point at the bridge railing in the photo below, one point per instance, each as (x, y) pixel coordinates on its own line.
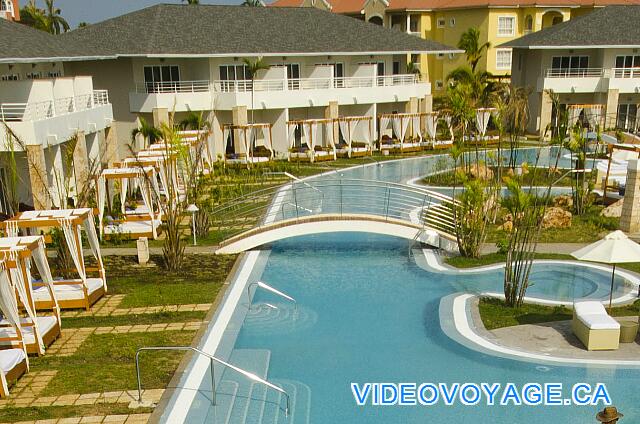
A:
(336, 196)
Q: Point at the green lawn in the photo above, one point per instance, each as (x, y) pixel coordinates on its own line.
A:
(198, 281)
(493, 258)
(33, 413)
(138, 319)
(495, 314)
(105, 362)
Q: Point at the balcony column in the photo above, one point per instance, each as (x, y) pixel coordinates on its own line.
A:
(239, 116)
(81, 162)
(412, 105)
(546, 107)
(630, 218)
(611, 111)
(332, 112)
(426, 106)
(38, 176)
(160, 116)
(110, 148)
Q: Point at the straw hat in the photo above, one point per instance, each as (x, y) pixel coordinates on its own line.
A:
(608, 414)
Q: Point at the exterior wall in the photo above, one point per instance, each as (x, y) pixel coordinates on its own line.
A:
(10, 9)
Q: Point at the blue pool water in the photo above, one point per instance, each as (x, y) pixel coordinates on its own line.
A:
(368, 313)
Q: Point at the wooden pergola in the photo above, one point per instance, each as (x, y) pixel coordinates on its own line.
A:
(610, 149)
(247, 155)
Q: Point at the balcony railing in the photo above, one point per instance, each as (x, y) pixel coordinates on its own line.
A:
(575, 73)
(173, 87)
(23, 112)
(315, 83)
(626, 72)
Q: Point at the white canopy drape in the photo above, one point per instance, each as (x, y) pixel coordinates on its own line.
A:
(69, 231)
(20, 286)
(102, 197)
(39, 256)
(415, 123)
(384, 124)
(482, 120)
(291, 134)
(431, 122)
(574, 114)
(449, 122)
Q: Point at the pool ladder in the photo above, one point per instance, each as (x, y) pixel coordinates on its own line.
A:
(265, 286)
(212, 360)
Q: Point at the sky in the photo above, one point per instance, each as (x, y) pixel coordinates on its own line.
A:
(91, 11)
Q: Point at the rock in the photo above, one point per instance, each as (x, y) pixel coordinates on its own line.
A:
(481, 172)
(614, 210)
(564, 201)
(556, 217)
(507, 226)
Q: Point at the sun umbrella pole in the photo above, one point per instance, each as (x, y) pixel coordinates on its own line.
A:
(613, 276)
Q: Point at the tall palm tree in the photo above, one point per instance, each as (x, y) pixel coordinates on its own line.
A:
(470, 43)
(480, 83)
(55, 22)
(253, 67)
(253, 3)
(33, 16)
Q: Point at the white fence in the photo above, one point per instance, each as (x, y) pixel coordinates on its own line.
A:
(16, 112)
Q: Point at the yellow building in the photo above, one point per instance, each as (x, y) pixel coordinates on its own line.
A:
(499, 21)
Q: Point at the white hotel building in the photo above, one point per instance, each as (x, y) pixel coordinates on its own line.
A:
(591, 62)
(181, 58)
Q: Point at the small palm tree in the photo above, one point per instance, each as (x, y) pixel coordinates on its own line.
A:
(470, 43)
(55, 22)
(253, 67)
(148, 131)
(413, 68)
(194, 121)
(253, 3)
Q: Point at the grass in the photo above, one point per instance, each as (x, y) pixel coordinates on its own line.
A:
(33, 413)
(199, 280)
(495, 314)
(138, 319)
(493, 258)
(105, 362)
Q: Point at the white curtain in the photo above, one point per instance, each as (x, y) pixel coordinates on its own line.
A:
(39, 256)
(367, 131)
(432, 125)
(12, 228)
(8, 303)
(292, 134)
(482, 120)
(163, 176)
(316, 133)
(345, 130)
(20, 285)
(396, 125)
(574, 114)
(69, 236)
(102, 196)
(225, 139)
(404, 128)
(449, 123)
(328, 130)
(415, 123)
(124, 186)
(146, 198)
(593, 114)
(384, 124)
(250, 140)
(266, 136)
(306, 129)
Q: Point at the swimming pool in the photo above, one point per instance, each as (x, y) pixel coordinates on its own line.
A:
(367, 312)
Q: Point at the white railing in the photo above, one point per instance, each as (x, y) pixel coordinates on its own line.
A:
(315, 83)
(173, 87)
(626, 72)
(575, 73)
(16, 112)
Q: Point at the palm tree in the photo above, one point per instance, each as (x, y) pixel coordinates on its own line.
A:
(480, 83)
(253, 67)
(194, 121)
(83, 25)
(515, 115)
(55, 22)
(192, 1)
(148, 131)
(253, 3)
(413, 68)
(33, 16)
(470, 43)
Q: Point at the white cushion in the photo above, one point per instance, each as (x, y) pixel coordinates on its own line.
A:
(359, 149)
(132, 227)
(9, 358)
(45, 325)
(67, 291)
(589, 307)
(599, 322)
(321, 153)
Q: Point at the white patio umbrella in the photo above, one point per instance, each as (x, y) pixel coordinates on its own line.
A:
(615, 248)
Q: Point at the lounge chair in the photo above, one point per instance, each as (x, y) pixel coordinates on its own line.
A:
(13, 364)
(594, 327)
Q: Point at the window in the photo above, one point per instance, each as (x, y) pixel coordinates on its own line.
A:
(158, 75)
(7, 6)
(439, 85)
(441, 22)
(414, 21)
(398, 22)
(34, 75)
(452, 22)
(570, 62)
(627, 114)
(506, 26)
(54, 74)
(396, 67)
(9, 77)
(452, 56)
(627, 61)
(528, 24)
(503, 59)
(440, 56)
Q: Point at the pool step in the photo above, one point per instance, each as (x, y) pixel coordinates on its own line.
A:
(255, 361)
(226, 393)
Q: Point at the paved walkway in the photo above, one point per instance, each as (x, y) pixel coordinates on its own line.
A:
(110, 306)
(111, 419)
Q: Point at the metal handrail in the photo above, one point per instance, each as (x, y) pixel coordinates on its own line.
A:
(265, 286)
(213, 359)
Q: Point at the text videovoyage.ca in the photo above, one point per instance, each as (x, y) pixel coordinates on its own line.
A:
(472, 394)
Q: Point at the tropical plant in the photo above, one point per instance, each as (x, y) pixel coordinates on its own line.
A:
(413, 68)
(473, 50)
(55, 22)
(583, 180)
(150, 133)
(33, 16)
(83, 25)
(191, 1)
(253, 3)
(514, 115)
(471, 216)
(194, 121)
(253, 67)
(456, 103)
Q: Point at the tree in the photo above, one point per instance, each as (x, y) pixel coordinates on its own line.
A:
(150, 133)
(514, 115)
(191, 1)
(253, 3)
(33, 16)
(413, 68)
(195, 122)
(55, 22)
(253, 67)
(83, 25)
(473, 50)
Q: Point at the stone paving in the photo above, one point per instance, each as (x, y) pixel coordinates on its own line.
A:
(111, 419)
(128, 397)
(110, 306)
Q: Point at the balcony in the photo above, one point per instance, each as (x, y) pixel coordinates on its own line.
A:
(55, 121)
(590, 80)
(275, 93)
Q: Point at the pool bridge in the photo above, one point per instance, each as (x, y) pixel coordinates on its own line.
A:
(325, 205)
